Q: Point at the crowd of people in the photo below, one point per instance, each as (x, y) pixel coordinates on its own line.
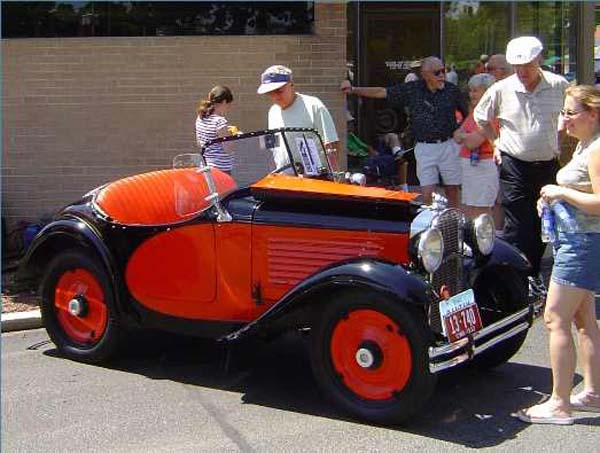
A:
(507, 144)
(503, 146)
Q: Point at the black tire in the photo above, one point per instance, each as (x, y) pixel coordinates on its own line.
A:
(93, 336)
(397, 382)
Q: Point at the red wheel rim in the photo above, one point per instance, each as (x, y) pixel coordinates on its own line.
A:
(89, 328)
(390, 373)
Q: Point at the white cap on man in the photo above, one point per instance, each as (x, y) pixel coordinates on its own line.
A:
(523, 50)
(274, 77)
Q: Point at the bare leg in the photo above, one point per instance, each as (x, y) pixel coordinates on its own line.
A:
(589, 346)
(402, 172)
(474, 211)
(562, 304)
(427, 192)
(453, 194)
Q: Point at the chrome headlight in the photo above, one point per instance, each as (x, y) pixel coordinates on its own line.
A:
(485, 232)
(431, 249)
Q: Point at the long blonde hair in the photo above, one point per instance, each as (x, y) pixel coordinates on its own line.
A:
(217, 95)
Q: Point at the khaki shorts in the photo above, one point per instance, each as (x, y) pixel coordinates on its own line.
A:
(438, 159)
(480, 183)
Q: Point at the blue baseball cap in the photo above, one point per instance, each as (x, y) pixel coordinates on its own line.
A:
(274, 77)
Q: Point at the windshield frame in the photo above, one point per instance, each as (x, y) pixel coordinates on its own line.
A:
(285, 133)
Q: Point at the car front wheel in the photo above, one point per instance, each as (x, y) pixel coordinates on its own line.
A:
(369, 355)
(78, 308)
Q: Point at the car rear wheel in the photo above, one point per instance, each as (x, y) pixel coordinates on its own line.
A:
(78, 309)
(369, 355)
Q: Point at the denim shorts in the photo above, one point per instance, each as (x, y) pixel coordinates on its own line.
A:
(577, 260)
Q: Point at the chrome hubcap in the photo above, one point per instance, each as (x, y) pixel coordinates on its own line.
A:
(364, 358)
(76, 306)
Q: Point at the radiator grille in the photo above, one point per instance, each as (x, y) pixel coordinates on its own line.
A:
(450, 273)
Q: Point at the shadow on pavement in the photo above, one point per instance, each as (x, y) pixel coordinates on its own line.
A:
(469, 408)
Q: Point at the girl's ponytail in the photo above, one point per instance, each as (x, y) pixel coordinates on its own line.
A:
(215, 96)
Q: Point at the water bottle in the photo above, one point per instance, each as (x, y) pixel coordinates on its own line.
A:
(548, 232)
(474, 156)
(565, 219)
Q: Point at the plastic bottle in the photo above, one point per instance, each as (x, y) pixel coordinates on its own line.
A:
(474, 156)
(564, 219)
(548, 232)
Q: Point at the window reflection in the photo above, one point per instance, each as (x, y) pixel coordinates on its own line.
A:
(72, 19)
(473, 28)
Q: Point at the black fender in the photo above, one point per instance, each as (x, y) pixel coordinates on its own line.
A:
(384, 277)
(62, 234)
(505, 254)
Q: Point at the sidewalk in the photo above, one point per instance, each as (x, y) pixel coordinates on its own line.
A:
(21, 320)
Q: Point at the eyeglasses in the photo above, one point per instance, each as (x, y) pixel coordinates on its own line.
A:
(438, 72)
(570, 113)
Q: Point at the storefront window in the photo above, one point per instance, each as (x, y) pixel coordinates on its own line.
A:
(473, 28)
(552, 23)
(75, 19)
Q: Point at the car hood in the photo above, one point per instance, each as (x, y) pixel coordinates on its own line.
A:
(279, 185)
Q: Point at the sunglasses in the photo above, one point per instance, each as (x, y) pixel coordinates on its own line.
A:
(570, 113)
(439, 72)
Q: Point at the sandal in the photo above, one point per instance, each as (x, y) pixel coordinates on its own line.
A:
(581, 402)
(542, 414)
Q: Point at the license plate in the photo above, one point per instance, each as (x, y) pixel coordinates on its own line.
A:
(460, 315)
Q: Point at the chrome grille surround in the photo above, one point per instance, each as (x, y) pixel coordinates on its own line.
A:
(450, 273)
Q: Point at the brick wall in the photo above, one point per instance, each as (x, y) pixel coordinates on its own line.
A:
(81, 112)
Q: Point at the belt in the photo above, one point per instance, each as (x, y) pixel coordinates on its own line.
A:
(530, 162)
(439, 140)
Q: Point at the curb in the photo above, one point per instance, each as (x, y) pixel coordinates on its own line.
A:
(22, 320)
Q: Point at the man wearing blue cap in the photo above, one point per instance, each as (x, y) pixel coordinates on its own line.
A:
(292, 109)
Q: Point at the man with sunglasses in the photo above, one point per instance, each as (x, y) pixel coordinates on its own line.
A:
(526, 105)
(432, 104)
(293, 109)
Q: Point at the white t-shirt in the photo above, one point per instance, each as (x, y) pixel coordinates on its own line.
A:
(305, 111)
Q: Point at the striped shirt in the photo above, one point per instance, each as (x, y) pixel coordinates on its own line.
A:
(528, 120)
(206, 130)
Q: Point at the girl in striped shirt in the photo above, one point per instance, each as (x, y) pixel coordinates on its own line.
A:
(211, 123)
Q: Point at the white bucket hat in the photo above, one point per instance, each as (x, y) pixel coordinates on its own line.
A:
(274, 77)
(523, 50)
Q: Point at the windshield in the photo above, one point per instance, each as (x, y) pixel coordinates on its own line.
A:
(288, 150)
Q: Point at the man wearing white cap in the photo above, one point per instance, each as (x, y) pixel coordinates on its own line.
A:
(526, 105)
(292, 109)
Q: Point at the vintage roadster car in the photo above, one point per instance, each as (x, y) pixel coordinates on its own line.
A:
(389, 292)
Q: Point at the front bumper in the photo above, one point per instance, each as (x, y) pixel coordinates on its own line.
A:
(465, 349)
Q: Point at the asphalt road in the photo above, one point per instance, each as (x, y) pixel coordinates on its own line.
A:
(171, 394)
